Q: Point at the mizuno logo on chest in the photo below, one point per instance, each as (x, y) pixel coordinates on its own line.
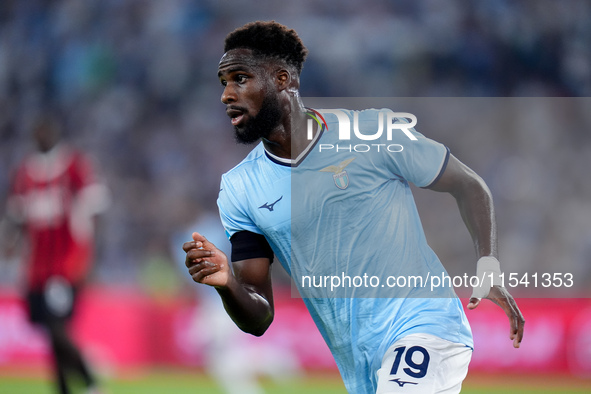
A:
(271, 206)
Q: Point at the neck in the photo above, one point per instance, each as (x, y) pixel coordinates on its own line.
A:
(290, 138)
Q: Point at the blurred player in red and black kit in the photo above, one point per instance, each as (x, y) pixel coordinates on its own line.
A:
(52, 202)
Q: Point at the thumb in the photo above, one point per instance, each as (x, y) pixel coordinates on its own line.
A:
(198, 237)
(205, 244)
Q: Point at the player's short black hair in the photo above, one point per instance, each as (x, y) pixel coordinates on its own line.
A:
(270, 39)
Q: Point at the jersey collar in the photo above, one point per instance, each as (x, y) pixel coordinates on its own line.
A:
(296, 162)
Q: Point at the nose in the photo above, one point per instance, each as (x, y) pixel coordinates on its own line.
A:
(228, 95)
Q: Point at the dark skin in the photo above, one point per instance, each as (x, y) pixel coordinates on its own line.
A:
(47, 135)
(246, 289)
(476, 207)
(247, 81)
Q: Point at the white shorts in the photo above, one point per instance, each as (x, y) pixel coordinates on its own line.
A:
(425, 364)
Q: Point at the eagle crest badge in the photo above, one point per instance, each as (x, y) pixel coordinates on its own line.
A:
(340, 176)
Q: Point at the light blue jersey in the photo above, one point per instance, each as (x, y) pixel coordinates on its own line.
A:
(346, 210)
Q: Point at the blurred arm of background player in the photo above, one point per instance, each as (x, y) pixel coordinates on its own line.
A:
(245, 288)
(476, 207)
(10, 234)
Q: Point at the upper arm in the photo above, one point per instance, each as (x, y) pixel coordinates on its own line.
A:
(474, 201)
(457, 178)
(251, 263)
(251, 254)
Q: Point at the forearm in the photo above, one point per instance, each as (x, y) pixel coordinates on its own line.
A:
(10, 233)
(476, 207)
(251, 311)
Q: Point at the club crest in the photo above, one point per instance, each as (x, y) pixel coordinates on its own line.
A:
(340, 176)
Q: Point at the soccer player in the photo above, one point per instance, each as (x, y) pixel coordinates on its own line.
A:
(281, 200)
(53, 198)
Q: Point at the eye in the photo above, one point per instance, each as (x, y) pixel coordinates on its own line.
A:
(241, 78)
(223, 82)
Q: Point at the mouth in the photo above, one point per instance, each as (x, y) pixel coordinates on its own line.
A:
(236, 115)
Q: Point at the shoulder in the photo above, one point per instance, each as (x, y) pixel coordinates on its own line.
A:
(250, 167)
(82, 165)
(252, 160)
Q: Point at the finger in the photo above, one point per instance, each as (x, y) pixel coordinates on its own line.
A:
(200, 254)
(190, 263)
(206, 270)
(516, 338)
(474, 302)
(188, 246)
(201, 265)
(517, 334)
(198, 237)
(192, 245)
(516, 320)
(516, 343)
(204, 242)
(197, 256)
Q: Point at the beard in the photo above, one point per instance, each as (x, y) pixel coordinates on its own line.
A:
(261, 125)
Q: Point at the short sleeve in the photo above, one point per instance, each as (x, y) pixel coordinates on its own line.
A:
(82, 171)
(233, 214)
(420, 161)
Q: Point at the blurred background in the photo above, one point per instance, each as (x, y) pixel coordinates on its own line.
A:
(134, 82)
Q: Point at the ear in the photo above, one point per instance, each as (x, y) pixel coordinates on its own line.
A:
(283, 79)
